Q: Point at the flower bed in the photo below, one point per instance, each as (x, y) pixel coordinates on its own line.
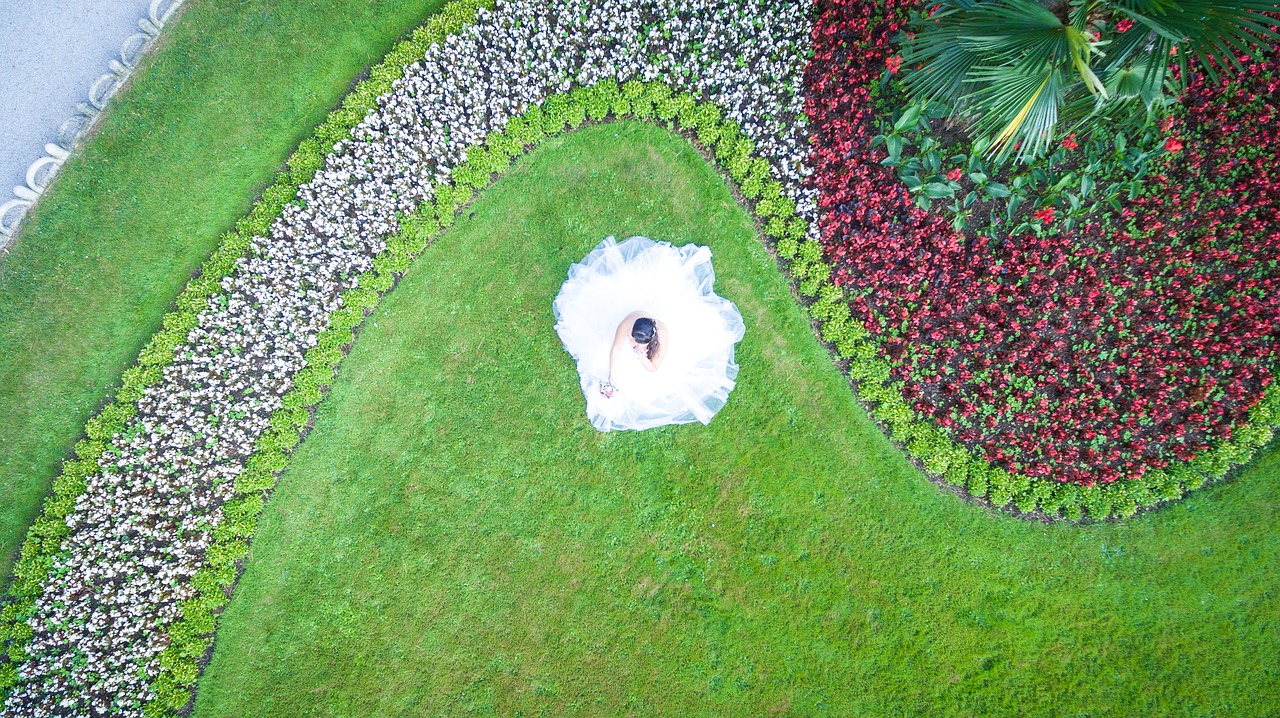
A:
(121, 579)
(1135, 342)
(116, 595)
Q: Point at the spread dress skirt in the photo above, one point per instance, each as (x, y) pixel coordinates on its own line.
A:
(674, 286)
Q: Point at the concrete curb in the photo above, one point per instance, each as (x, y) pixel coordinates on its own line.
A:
(72, 130)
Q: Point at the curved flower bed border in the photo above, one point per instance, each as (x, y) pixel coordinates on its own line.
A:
(191, 636)
(651, 101)
(956, 465)
(43, 542)
(42, 171)
(171, 675)
(850, 51)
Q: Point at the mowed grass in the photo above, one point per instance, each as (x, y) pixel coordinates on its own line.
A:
(178, 159)
(453, 538)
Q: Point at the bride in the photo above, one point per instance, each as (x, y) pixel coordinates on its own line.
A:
(654, 344)
(648, 340)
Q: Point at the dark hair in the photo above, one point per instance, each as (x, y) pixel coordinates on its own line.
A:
(645, 331)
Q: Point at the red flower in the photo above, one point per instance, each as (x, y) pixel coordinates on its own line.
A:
(1070, 143)
(967, 320)
(1173, 144)
(955, 175)
(1124, 25)
(894, 63)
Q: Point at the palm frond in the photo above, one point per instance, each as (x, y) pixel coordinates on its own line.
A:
(950, 45)
(1019, 70)
(1143, 78)
(1083, 47)
(1215, 32)
(945, 75)
(1009, 31)
(1019, 110)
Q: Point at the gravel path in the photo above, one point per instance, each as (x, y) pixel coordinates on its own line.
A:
(50, 52)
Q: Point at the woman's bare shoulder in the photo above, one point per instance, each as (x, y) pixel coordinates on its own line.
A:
(624, 326)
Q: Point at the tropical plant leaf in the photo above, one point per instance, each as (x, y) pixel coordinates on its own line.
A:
(1021, 72)
(1019, 109)
(1214, 31)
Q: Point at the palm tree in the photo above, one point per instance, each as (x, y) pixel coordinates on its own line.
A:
(1016, 69)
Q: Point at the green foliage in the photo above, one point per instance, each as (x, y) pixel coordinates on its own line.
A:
(191, 635)
(818, 510)
(1098, 504)
(1099, 170)
(636, 94)
(976, 483)
(524, 131)
(705, 120)
(225, 553)
(597, 101)
(665, 105)
(560, 112)
(733, 151)
(1018, 69)
(1124, 507)
(1026, 503)
(239, 516)
(8, 676)
(504, 144)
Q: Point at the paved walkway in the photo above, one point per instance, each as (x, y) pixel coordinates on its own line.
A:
(50, 52)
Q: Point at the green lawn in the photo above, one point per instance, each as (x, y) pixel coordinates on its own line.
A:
(454, 538)
(177, 160)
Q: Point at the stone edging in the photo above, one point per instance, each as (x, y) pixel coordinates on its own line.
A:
(41, 172)
(190, 636)
(202, 537)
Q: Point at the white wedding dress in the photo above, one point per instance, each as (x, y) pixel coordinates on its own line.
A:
(674, 286)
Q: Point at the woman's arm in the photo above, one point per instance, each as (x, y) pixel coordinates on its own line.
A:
(621, 340)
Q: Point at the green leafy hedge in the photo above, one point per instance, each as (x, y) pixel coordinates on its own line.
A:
(191, 636)
(956, 465)
(44, 539)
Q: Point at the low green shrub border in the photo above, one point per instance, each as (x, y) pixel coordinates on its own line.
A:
(958, 466)
(44, 539)
(732, 152)
(192, 635)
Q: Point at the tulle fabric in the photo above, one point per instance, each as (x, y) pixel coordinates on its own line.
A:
(673, 285)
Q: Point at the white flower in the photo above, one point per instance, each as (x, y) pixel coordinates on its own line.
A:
(140, 530)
